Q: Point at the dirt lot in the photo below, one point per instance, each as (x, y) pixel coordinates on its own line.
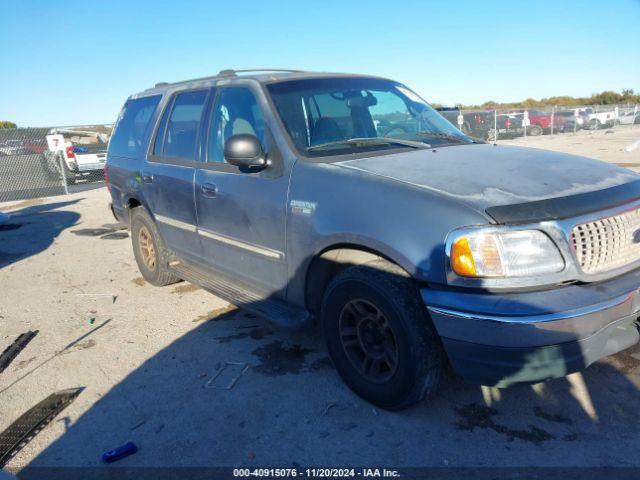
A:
(151, 361)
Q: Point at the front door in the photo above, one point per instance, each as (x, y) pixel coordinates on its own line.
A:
(241, 216)
(168, 175)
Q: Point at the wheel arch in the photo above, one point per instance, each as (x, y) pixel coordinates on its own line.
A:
(333, 259)
(131, 202)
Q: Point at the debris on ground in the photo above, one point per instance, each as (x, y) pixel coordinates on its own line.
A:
(227, 376)
(138, 425)
(122, 451)
(27, 426)
(12, 351)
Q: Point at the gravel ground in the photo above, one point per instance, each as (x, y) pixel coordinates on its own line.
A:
(152, 362)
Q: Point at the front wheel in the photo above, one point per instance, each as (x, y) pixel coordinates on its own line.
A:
(379, 336)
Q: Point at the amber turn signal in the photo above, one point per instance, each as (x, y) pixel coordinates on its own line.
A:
(462, 258)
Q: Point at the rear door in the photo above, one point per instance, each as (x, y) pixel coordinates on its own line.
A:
(167, 178)
(241, 215)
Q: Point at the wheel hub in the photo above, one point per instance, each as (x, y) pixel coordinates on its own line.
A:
(147, 248)
(368, 340)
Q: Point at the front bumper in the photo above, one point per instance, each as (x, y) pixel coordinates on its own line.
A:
(499, 339)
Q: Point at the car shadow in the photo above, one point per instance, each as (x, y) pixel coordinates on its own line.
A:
(32, 229)
(238, 391)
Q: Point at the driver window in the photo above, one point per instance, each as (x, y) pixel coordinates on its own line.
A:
(236, 111)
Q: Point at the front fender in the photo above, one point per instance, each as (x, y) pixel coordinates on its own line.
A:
(330, 205)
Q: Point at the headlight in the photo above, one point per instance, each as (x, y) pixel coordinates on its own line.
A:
(503, 253)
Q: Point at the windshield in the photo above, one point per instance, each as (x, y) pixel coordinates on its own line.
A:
(336, 116)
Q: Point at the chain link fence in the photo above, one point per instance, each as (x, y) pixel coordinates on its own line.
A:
(37, 162)
(506, 123)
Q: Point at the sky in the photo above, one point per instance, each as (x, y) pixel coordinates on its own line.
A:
(74, 62)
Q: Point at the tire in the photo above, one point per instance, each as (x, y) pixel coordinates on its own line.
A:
(144, 238)
(535, 130)
(386, 294)
(595, 124)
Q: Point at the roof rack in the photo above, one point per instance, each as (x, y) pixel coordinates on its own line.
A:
(228, 73)
(233, 73)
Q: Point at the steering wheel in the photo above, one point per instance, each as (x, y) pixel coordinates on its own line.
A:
(393, 128)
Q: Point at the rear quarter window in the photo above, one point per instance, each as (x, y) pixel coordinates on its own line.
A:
(133, 126)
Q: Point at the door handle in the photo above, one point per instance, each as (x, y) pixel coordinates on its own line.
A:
(147, 178)
(209, 189)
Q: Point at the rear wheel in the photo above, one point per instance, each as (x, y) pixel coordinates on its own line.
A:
(535, 130)
(379, 336)
(149, 250)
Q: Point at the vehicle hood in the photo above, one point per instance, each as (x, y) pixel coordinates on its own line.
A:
(486, 175)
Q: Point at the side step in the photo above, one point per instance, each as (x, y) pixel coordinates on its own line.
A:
(275, 310)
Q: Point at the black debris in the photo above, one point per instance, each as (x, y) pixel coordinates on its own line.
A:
(12, 351)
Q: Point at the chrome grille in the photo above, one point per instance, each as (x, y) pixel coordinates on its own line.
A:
(607, 243)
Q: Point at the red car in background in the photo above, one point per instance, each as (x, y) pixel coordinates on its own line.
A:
(540, 122)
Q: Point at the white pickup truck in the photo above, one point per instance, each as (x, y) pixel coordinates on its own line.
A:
(83, 153)
(599, 119)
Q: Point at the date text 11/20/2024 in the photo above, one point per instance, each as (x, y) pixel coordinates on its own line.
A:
(316, 472)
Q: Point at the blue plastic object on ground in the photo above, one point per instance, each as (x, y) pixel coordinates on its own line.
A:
(125, 450)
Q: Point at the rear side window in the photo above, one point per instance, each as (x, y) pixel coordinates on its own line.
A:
(177, 138)
(133, 126)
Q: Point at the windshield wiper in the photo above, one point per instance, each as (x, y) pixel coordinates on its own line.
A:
(446, 136)
(368, 142)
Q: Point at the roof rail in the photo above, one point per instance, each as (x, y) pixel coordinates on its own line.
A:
(233, 73)
(228, 73)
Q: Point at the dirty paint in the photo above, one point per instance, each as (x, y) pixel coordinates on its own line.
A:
(185, 288)
(474, 416)
(276, 359)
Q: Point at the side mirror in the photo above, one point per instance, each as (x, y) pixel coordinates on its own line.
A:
(245, 152)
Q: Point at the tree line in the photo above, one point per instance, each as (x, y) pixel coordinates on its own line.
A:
(607, 97)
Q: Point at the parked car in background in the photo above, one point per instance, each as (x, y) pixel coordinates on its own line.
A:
(83, 153)
(630, 117)
(347, 198)
(573, 120)
(597, 119)
(540, 122)
(11, 147)
(482, 124)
